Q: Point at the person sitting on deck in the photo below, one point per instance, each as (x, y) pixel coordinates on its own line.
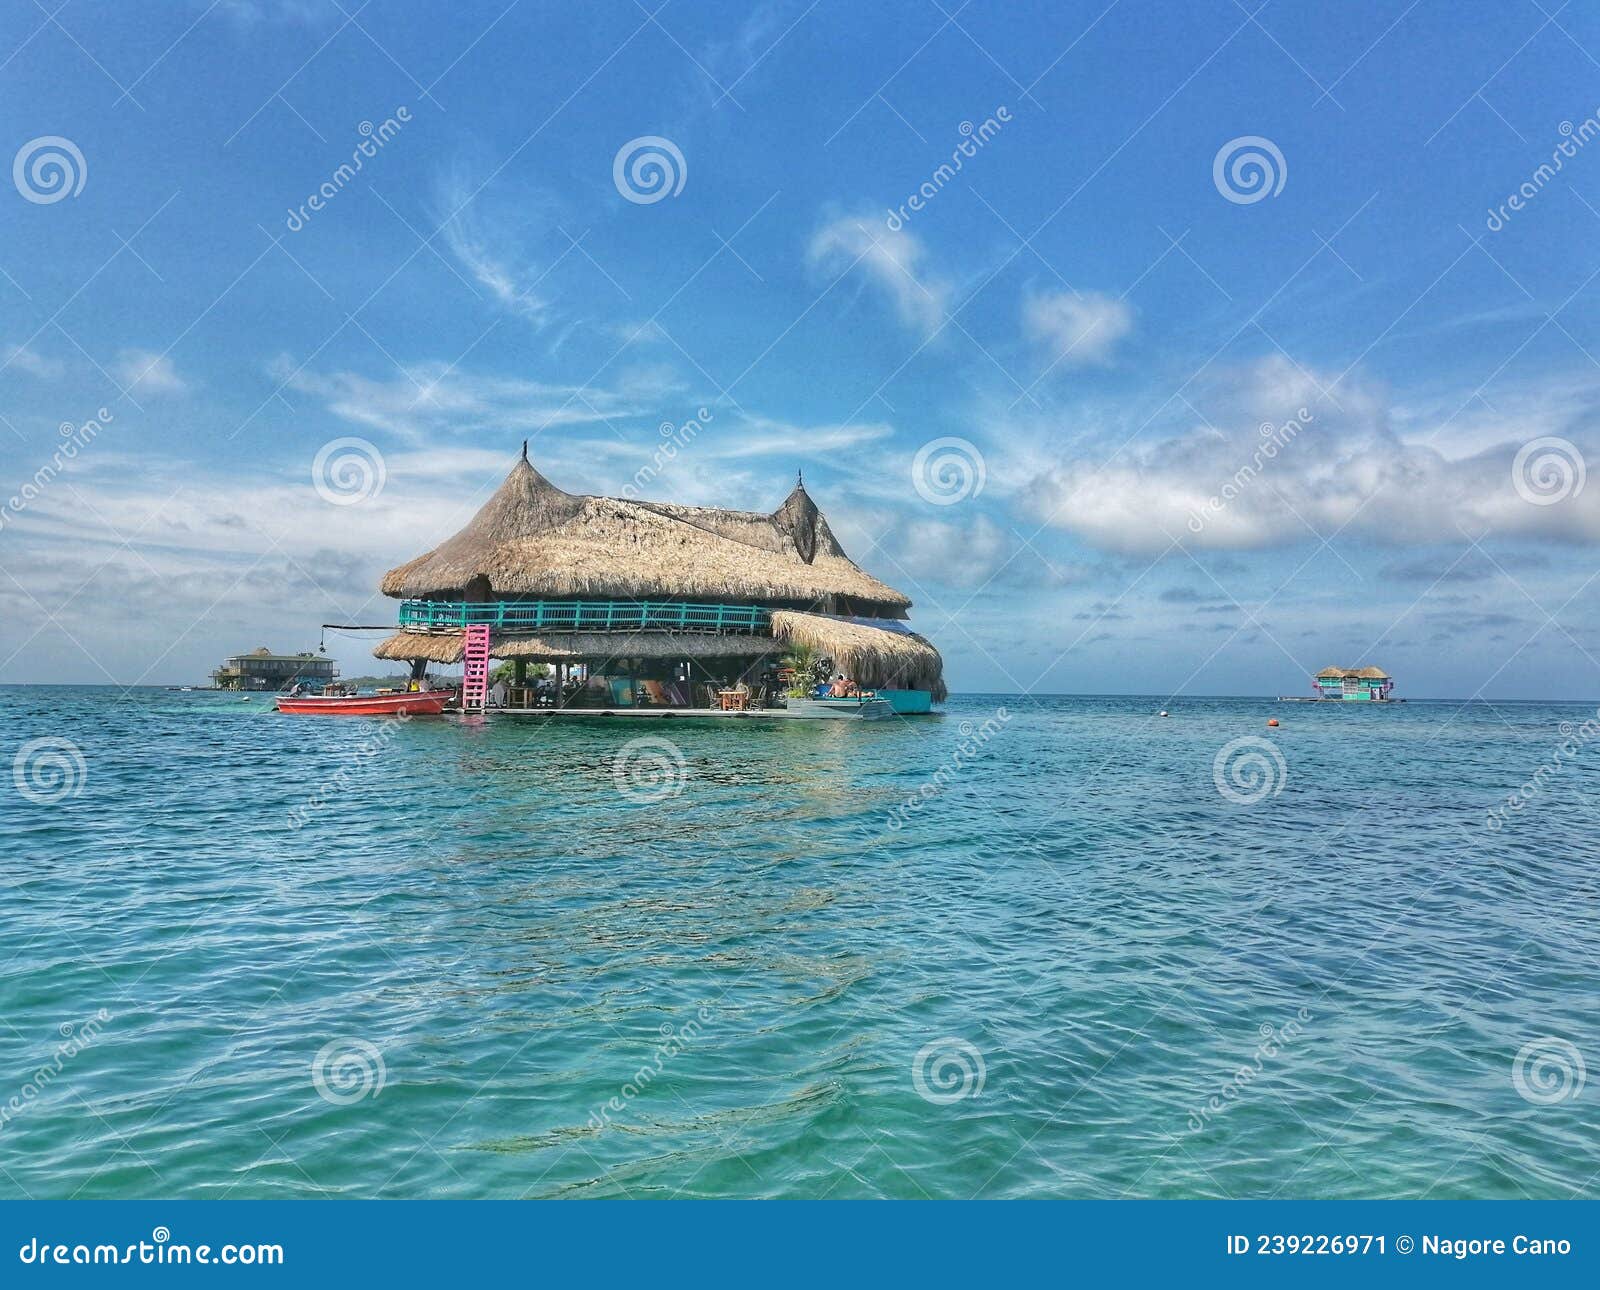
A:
(843, 688)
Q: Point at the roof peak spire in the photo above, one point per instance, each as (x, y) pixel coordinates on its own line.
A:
(524, 450)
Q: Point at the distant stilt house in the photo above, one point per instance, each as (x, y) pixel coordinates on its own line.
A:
(261, 669)
(1363, 684)
(650, 604)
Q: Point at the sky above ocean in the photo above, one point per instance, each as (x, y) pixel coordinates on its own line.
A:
(1148, 348)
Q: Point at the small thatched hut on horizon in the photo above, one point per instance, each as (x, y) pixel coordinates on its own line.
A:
(660, 600)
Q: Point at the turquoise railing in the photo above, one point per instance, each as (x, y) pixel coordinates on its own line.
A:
(584, 615)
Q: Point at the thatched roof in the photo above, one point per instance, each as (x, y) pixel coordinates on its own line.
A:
(1362, 674)
(1373, 674)
(878, 652)
(556, 647)
(532, 539)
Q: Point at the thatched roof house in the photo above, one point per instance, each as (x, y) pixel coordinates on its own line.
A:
(636, 580)
(1353, 683)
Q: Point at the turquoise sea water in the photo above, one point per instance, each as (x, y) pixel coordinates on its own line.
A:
(314, 957)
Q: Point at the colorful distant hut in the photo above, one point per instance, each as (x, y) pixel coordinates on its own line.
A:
(1363, 684)
(641, 603)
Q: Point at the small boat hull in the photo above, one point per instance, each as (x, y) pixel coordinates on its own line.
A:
(418, 703)
(840, 709)
(908, 702)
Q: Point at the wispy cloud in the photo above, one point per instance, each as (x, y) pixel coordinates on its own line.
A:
(19, 358)
(437, 398)
(891, 261)
(145, 372)
(1076, 329)
(491, 252)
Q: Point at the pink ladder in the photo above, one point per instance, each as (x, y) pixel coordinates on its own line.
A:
(475, 669)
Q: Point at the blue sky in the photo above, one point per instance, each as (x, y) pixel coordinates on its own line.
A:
(1100, 313)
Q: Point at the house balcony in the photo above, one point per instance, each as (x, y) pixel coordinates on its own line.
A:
(584, 616)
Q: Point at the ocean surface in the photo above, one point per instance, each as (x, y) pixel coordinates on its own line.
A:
(1036, 947)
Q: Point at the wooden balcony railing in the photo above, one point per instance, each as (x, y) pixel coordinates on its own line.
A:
(584, 616)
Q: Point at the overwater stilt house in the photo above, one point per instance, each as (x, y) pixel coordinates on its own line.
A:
(649, 604)
(261, 669)
(1361, 684)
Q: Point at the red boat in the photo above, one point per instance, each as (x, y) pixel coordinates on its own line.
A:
(414, 703)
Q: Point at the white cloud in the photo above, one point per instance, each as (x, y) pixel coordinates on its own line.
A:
(144, 372)
(22, 359)
(435, 397)
(949, 553)
(764, 437)
(1076, 329)
(490, 253)
(889, 260)
(1346, 471)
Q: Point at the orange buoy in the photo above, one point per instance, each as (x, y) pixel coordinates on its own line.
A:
(1272, 721)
